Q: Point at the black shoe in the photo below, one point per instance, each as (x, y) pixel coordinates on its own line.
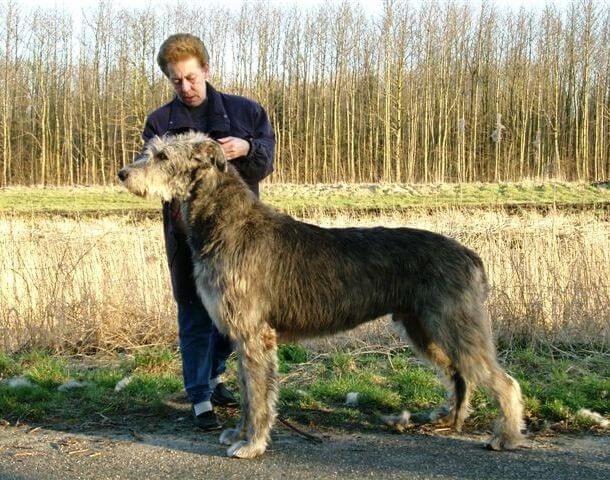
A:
(207, 421)
(223, 397)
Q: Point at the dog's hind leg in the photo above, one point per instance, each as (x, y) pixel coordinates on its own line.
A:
(258, 354)
(506, 392)
(466, 337)
(472, 348)
(462, 390)
(458, 386)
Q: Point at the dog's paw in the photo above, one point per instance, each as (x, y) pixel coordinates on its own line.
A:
(230, 436)
(245, 449)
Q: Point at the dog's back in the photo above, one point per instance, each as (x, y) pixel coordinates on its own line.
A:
(324, 280)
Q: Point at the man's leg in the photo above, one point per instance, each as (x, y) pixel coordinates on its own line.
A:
(198, 337)
(222, 349)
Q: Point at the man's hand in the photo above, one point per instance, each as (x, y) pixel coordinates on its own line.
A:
(234, 147)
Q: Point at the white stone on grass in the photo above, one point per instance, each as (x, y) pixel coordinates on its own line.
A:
(351, 400)
(596, 418)
(121, 384)
(18, 382)
(400, 422)
(71, 385)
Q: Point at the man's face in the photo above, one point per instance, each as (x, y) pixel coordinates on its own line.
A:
(188, 78)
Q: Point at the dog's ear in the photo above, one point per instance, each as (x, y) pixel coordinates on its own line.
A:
(210, 151)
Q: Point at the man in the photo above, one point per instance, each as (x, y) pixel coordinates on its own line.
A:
(242, 128)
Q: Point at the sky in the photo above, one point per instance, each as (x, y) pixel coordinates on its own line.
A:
(372, 6)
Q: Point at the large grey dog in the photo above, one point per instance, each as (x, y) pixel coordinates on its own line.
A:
(265, 277)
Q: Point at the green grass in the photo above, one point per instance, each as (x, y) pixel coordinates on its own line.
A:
(554, 386)
(71, 200)
(155, 375)
(388, 197)
(302, 198)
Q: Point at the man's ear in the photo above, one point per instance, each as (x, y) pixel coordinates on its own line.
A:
(210, 151)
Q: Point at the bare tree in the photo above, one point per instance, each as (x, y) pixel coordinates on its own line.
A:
(440, 92)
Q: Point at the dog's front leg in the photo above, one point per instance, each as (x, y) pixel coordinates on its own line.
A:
(258, 360)
(233, 435)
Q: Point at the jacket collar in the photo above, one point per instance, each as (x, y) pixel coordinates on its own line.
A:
(217, 118)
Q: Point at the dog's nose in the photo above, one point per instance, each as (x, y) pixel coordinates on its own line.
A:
(123, 175)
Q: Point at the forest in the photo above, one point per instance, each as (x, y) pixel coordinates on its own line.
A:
(420, 93)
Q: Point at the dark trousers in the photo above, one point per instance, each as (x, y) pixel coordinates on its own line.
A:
(203, 348)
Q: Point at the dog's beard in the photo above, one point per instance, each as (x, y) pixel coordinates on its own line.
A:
(139, 185)
(132, 186)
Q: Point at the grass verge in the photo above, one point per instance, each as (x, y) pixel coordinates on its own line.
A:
(302, 199)
(314, 387)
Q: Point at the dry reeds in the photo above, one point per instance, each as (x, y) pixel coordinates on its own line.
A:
(88, 284)
(83, 284)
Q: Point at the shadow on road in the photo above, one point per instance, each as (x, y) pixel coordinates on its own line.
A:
(162, 448)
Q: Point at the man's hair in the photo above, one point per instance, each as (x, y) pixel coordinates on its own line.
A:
(180, 47)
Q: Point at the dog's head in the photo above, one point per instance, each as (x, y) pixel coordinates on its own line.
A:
(169, 166)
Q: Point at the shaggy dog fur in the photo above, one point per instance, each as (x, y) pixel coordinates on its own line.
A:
(265, 277)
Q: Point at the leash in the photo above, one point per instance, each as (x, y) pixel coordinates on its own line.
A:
(306, 435)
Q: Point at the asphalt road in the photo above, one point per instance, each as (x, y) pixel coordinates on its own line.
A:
(166, 453)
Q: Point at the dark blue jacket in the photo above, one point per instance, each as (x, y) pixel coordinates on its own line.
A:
(225, 116)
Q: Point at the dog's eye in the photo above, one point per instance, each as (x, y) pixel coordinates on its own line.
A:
(162, 156)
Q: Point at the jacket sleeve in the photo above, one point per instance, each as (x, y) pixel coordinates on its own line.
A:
(259, 161)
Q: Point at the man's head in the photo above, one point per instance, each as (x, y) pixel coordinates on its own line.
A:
(184, 59)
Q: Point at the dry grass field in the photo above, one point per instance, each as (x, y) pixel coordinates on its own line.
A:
(85, 284)
(85, 296)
